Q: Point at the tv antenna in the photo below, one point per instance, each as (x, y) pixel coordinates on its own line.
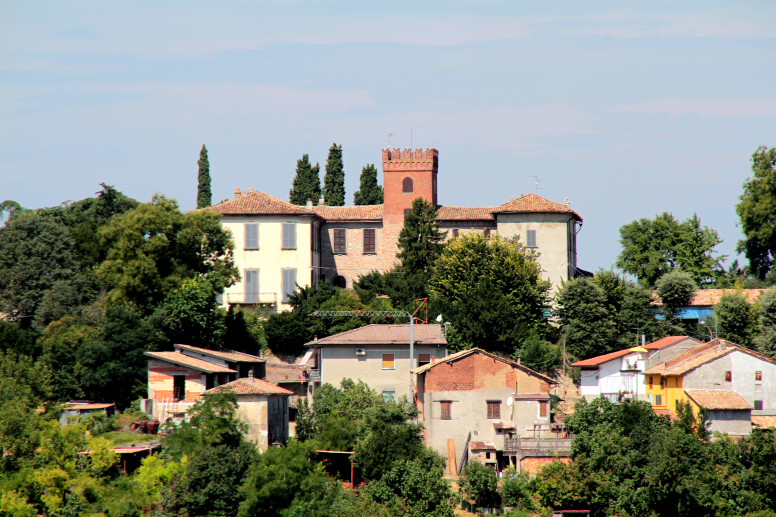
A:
(536, 183)
(389, 138)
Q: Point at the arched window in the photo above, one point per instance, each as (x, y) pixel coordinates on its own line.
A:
(340, 282)
(406, 185)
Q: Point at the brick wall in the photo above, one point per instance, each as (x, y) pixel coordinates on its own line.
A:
(418, 164)
(478, 371)
(160, 381)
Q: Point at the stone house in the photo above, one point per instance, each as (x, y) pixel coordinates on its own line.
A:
(727, 379)
(477, 405)
(620, 375)
(280, 245)
(379, 355)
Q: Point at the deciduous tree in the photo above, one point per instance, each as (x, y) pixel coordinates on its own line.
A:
(766, 317)
(757, 211)
(334, 179)
(736, 319)
(586, 325)
(369, 192)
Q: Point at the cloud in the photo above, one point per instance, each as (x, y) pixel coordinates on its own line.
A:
(711, 108)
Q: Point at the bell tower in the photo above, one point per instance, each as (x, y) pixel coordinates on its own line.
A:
(407, 174)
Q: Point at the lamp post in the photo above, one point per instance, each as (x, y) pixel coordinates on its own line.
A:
(711, 336)
(385, 314)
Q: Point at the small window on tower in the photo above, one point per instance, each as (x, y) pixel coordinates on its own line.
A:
(406, 185)
(728, 376)
(758, 375)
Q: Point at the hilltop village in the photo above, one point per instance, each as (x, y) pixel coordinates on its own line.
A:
(397, 356)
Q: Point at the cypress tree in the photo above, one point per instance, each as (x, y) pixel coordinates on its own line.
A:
(420, 240)
(204, 195)
(369, 192)
(334, 179)
(307, 184)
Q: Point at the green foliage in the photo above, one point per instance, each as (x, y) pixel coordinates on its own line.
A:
(212, 422)
(652, 248)
(14, 338)
(539, 354)
(414, 488)
(420, 240)
(334, 179)
(757, 211)
(491, 290)
(516, 490)
(479, 482)
(190, 314)
(204, 195)
(766, 318)
(369, 192)
(307, 183)
(584, 319)
(210, 484)
(736, 319)
(286, 481)
(675, 290)
(153, 248)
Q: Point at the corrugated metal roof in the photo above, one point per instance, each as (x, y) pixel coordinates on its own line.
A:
(382, 334)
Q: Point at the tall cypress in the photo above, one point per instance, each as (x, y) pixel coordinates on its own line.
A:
(204, 196)
(334, 179)
(369, 192)
(307, 184)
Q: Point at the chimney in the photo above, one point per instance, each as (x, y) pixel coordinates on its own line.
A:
(237, 193)
(309, 204)
(321, 201)
(566, 203)
(250, 374)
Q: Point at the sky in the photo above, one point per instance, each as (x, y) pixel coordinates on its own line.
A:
(628, 109)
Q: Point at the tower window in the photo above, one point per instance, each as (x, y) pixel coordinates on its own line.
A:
(406, 185)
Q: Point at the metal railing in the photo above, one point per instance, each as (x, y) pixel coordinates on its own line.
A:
(251, 298)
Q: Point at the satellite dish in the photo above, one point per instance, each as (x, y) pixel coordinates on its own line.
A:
(510, 400)
(439, 319)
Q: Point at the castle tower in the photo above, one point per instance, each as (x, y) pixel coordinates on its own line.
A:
(407, 174)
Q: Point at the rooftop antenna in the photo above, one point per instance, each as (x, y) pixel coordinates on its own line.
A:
(389, 138)
(411, 146)
(536, 183)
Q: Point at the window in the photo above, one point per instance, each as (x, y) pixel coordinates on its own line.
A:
(728, 376)
(650, 381)
(530, 238)
(251, 285)
(424, 359)
(406, 185)
(494, 409)
(340, 241)
(251, 236)
(758, 375)
(369, 240)
(340, 281)
(388, 362)
(389, 396)
(316, 238)
(658, 400)
(758, 405)
(289, 236)
(444, 410)
(455, 232)
(289, 283)
(542, 409)
(179, 387)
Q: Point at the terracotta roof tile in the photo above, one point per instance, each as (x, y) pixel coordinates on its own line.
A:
(710, 297)
(253, 202)
(465, 213)
(248, 386)
(534, 203)
(764, 421)
(702, 354)
(350, 213)
(655, 345)
(226, 355)
(190, 362)
(377, 334)
(89, 405)
(665, 412)
(277, 373)
(718, 400)
(469, 351)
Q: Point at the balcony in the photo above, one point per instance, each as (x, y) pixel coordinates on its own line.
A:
(537, 444)
(268, 299)
(315, 376)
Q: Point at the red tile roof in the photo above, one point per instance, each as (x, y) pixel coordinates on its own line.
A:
(764, 421)
(253, 202)
(718, 400)
(277, 373)
(465, 213)
(189, 362)
(702, 354)
(376, 334)
(655, 345)
(665, 412)
(226, 355)
(350, 213)
(534, 203)
(464, 353)
(710, 297)
(249, 386)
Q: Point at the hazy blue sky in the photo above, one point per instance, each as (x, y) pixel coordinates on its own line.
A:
(628, 109)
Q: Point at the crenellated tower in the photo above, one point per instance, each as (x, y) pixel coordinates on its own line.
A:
(407, 174)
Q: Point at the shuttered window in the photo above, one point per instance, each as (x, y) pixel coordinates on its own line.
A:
(251, 236)
(289, 236)
(369, 240)
(542, 409)
(388, 362)
(530, 238)
(758, 375)
(445, 412)
(494, 409)
(251, 279)
(340, 241)
(289, 283)
(424, 359)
